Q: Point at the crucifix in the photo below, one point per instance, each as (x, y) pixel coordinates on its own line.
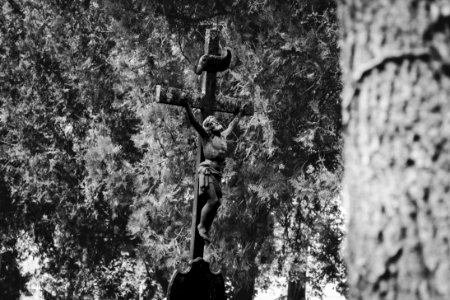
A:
(199, 282)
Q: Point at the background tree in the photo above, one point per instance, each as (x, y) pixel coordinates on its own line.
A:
(396, 79)
(64, 140)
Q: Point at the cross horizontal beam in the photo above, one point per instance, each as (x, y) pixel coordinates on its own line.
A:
(174, 96)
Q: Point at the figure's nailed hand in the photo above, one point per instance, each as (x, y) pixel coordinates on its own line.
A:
(243, 108)
(240, 110)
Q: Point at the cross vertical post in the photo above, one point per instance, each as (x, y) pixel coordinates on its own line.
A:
(208, 90)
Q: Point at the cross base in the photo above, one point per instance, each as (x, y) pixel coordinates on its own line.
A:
(198, 282)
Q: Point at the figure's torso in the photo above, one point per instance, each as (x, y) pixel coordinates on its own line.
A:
(215, 150)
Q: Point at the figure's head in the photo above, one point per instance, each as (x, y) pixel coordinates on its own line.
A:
(211, 125)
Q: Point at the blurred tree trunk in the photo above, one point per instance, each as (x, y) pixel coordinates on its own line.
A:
(296, 290)
(396, 110)
(247, 290)
(161, 278)
(11, 280)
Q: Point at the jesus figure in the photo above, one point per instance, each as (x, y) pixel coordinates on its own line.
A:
(214, 145)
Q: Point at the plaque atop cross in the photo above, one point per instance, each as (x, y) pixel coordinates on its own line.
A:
(197, 282)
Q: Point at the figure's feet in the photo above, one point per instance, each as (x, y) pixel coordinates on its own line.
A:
(203, 233)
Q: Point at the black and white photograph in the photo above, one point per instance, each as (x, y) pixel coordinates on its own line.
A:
(224, 149)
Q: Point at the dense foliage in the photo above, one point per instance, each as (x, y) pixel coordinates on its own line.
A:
(101, 177)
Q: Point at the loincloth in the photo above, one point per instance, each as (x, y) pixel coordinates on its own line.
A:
(208, 175)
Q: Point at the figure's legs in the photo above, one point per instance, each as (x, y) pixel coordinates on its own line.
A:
(208, 212)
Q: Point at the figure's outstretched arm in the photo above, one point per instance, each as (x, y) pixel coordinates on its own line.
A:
(199, 128)
(234, 122)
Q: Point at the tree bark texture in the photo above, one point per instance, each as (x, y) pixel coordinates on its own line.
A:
(396, 111)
